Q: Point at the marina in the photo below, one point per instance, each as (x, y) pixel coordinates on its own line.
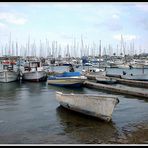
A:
(30, 113)
(81, 81)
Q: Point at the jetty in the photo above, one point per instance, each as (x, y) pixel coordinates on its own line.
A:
(110, 88)
(134, 83)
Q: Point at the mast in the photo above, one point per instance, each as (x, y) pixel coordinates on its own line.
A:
(40, 54)
(53, 48)
(12, 51)
(28, 45)
(99, 53)
(16, 49)
(74, 47)
(82, 46)
(9, 52)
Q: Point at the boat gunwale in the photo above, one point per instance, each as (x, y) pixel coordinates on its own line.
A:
(88, 95)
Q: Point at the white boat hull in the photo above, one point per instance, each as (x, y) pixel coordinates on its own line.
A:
(97, 106)
(8, 76)
(35, 76)
(123, 66)
(95, 71)
(101, 73)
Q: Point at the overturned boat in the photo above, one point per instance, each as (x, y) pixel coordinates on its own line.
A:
(93, 105)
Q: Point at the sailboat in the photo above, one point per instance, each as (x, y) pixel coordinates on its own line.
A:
(97, 71)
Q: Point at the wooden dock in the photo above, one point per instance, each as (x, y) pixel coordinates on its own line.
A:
(143, 84)
(134, 83)
(115, 89)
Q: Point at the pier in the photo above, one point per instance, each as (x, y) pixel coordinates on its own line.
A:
(115, 89)
(143, 84)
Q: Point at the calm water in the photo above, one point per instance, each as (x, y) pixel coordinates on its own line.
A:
(30, 114)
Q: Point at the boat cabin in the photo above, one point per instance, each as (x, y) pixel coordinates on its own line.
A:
(32, 66)
(6, 65)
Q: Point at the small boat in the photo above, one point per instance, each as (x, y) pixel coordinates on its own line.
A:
(34, 72)
(106, 80)
(87, 64)
(95, 71)
(89, 104)
(67, 79)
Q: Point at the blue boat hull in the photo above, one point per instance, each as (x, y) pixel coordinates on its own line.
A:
(68, 85)
(67, 79)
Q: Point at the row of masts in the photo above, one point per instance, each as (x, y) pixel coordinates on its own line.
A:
(54, 49)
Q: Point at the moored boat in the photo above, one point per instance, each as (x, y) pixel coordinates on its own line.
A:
(67, 79)
(8, 74)
(90, 104)
(95, 71)
(34, 72)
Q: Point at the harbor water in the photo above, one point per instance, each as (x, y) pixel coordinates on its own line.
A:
(30, 114)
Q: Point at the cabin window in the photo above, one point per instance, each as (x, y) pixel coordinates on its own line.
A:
(5, 67)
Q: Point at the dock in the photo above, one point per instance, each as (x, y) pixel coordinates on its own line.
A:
(115, 89)
(134, 83)
(143, 84)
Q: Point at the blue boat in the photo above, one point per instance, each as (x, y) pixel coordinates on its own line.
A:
(67, 79)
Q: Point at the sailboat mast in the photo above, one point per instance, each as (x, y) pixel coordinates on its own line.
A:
(82, 46)
(9, 52)
(28, 46)
(99, 53)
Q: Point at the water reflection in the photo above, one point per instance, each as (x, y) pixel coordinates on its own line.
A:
(34, 87)
(66, 89)
(85, 129)
(9, 91)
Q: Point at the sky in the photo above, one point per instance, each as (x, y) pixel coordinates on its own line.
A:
(116, 24)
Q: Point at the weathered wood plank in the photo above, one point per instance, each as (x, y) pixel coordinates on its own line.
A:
(115, 89)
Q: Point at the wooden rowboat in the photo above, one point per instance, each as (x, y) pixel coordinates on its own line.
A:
(93, 105)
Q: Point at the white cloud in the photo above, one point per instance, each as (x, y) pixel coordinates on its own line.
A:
(126, 37)
(143, 7)
(12, 18)
(115, 16)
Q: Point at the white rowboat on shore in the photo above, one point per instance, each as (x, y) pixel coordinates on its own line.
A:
(94, 105)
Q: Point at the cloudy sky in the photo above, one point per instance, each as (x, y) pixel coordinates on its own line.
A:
(66, 21)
